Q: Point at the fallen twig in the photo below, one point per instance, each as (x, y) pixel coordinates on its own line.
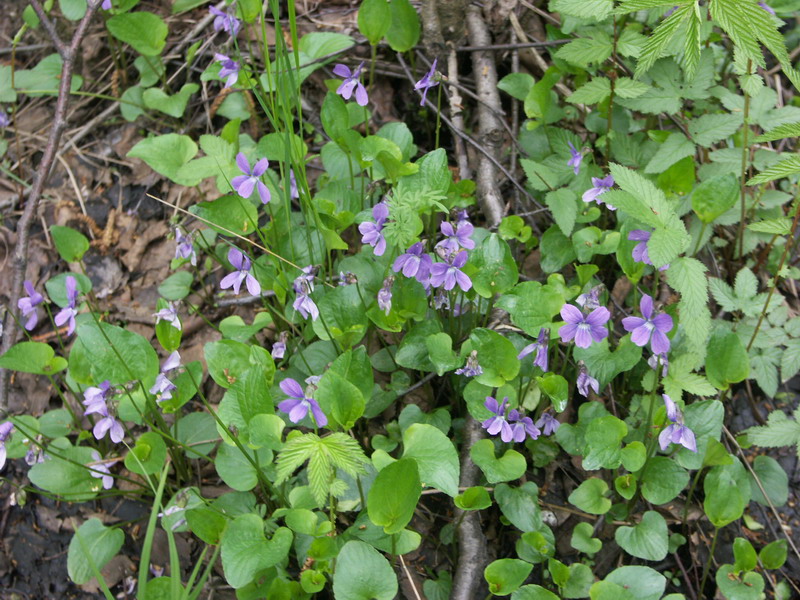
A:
(489, 126)
(472, 554)
(20, 257)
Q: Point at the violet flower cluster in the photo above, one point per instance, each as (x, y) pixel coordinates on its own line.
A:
(676, 432)
(300, 402)
(516, 427)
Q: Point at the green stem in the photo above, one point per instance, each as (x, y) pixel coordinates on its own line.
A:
(745, 157)
(708, 563)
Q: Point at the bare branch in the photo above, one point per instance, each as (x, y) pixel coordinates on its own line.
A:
(20, 256)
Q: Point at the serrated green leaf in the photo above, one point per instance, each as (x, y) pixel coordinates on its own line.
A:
(563, 204)
(596, 90)
(788, 130)
(675, 148)
(629, 6)
(687, 276)
(585, 51)
(625, 87)
(779, 431)
(691, 45)
(785, 168)
(659, 39)
(707, 130)
(778, 226)
(596, 10)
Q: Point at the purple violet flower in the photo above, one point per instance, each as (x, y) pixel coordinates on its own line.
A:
(540, 346)
(427, 82)
(767, 8)
(575, 159)
(347, 278)
(351, 83)
(100, 470)
(497, 423)
(279, 347)
(244, 184)
(441, 300)
(297, 404)
(96, 395)
(225, 21)
(303, 286)
(547, 423)
(651, 328)
(106, 5)
(185, 248)
(676, 432)
(640, 251)
(655, 359)
(229, 72)
(68, 313)
(591, 299)
(372, 232)
(5, 120)
(601, 186)
(107, 424)
(456, 237)
(462, 216)
(586, 381)
(163, 387)
(472, 368)
(385, 295)
(584, 328)
(28, 305)
(414, 263)
(241, 263)
(5, 431)
(522, 426)
(170, 315)
(293, 191)
(449, 274)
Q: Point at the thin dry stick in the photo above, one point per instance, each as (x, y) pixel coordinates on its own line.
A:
(20, 257)
(490, 129)
(455, 113)
(472, 554)
(774, 510)
(471, 141)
